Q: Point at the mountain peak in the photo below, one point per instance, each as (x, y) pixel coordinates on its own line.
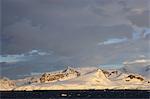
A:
(74, 78)
(68, 70)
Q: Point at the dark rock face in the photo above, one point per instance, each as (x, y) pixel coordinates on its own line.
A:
(105, 72)
(108, 74)
(135, 77)
(46, 77)
(71, 71)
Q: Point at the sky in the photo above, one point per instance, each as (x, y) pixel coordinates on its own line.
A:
(74, 32)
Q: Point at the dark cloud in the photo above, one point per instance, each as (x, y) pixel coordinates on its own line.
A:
(23, 36)
(141, 19)
(78, 32)
(69, 27)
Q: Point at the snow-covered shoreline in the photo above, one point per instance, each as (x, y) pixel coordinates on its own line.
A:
(78, 78)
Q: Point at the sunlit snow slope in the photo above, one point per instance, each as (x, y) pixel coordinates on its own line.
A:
(79, 78)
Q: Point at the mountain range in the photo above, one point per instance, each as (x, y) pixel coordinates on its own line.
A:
(81, 78)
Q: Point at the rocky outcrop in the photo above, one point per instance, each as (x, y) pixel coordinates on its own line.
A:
(111, 74)
(128, 78)
(50, 77)
(106, 72)
(69, 72)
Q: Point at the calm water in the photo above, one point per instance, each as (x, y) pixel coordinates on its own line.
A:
(77, 94)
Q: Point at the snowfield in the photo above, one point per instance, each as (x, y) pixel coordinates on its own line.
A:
(79, 78)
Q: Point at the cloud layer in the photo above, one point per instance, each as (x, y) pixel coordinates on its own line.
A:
(113, 41)
(76, 29)
(22, 57)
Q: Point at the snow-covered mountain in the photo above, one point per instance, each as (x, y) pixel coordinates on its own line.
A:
(63, 75)
(141, 66)
(79, 78)
(6, 84)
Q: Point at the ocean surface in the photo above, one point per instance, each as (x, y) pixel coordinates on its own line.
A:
(76, 94)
